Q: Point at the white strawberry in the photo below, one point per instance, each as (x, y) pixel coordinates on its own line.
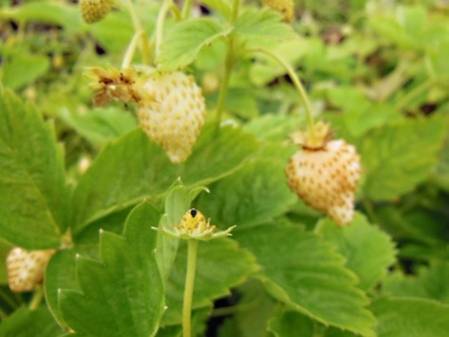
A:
(26, 268)
(284, 7)
(326, 178)
(95, 10)
(174, 114)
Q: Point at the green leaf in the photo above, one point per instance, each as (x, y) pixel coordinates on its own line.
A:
(51, 12)
(60, 274)
(262, 27)
(221, 265)
(430, 282)
(304, 272)
(221, 6)
(100, 125)
(408, 317)
(128, 170)
(5, 247)
(256, 193)
(185, 40)
(368, 251)
(359, 113)
(122, 295)
(30, 323)
(32, 189)
(21, 68)
(257, 309)
(397, 158)
(291, 324)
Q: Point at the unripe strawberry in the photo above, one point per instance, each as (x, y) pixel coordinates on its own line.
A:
(26, 268)
(326, 178)
(174, 115)
(95, 10)
(285, 7)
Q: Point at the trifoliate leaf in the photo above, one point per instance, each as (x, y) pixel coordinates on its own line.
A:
(30, 323)
(397, 158)
(32, 188)
(128, 170)
(368, 251)
(121, 295)
(305, 273)
(185, 40)
(255, 194)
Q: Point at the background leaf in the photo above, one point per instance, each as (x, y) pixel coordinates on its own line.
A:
(430, 282)
(185, 40)
(221, 265)
(407, 317)
(397, 158)
(33, 195)
(302, 271)
(368, 251)
(30, 323)
(256, 193)
(128, 171)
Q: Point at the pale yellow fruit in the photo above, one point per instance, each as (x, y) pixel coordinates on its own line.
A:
(95, 10)
(326, 178)
(26, 268)
(174, 113)
(285, 7)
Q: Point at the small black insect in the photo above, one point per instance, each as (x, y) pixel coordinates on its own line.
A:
(193, 212)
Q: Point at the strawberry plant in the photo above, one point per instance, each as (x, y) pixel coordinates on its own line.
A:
(224, 168)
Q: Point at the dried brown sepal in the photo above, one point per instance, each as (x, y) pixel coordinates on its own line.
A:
(116, 85)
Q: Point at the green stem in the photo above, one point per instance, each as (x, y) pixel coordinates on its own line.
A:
(166, 5)
(129, 54)
(229, 64)
(138, 28)
(235, 10)
(296, 81)
(186, 9)
(192, 250)
(37, 298)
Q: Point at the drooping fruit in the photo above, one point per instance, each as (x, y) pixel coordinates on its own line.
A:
(174, 114)
(324, 173)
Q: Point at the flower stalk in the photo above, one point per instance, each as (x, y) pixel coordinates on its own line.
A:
(192, 253)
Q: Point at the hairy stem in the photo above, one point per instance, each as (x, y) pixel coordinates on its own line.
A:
(296, 81)
(129, 54)
(186, 9)
(37, 298)
(166, 5)
(229, 64)
(138, 28)
(192, 250)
